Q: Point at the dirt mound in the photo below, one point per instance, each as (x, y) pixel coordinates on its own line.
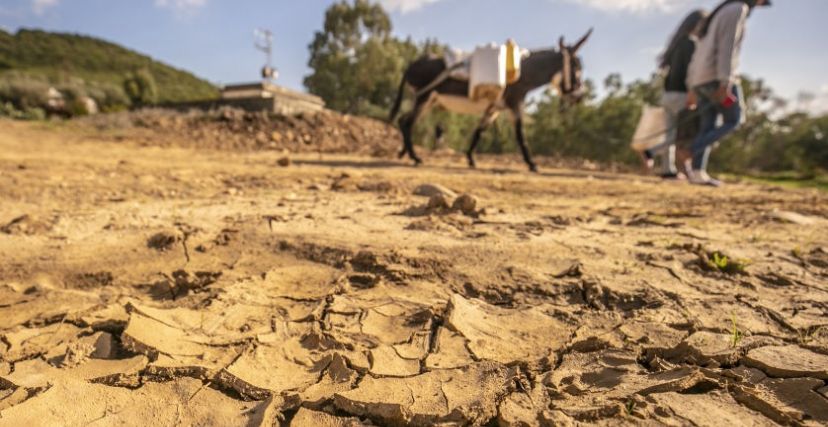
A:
(233, 129)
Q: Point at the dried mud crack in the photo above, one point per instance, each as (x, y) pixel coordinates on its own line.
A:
(217, 289)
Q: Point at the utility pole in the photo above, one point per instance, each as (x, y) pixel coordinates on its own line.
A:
(264, 43)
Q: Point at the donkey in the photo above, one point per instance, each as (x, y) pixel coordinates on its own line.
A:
(562, 68)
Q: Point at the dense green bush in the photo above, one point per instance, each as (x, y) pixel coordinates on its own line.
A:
(110, 98)
(140, 88)
(7, 109)
(24, 92)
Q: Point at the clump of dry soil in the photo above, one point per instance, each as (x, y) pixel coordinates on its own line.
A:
(233, 129)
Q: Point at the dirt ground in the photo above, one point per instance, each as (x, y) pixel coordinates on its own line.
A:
(144, 285)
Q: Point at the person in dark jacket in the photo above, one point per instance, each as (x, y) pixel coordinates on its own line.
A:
(673, 63)
(714, 77)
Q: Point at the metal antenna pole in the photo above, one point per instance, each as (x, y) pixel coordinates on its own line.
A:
(264, 43)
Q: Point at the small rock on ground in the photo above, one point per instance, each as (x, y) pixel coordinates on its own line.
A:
(466, 204)
(788, 362)
(430, 190)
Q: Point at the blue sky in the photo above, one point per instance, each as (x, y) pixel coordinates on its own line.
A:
(214, 38)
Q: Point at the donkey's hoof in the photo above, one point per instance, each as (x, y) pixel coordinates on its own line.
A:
(533, 168)
(472, 163)
(418, 161)
(402, 153)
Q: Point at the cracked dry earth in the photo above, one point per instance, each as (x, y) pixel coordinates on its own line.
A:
(163, 286)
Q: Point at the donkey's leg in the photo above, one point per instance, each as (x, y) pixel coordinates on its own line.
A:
(405, 130)
(488, 118)
(516, 108)
(527, 155)
(407, 127)
(403, 152)
(423, 103)
(475, 140)
(407, 123)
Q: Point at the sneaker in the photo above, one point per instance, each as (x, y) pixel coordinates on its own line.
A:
(711, 182)
(700, 177)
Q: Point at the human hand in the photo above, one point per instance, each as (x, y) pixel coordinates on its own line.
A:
(692, 100)
(722, 93)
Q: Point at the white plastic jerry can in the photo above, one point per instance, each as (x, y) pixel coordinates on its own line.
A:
(487, 75)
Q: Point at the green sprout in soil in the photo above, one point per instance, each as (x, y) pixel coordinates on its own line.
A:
(719, 262)
(629, 407)
(735, 334)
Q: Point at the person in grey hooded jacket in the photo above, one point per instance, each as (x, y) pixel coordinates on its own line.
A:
(714, 76)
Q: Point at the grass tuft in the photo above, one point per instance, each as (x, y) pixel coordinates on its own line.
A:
(736, 335)
(717, 261)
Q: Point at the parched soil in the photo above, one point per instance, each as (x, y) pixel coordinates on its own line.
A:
(169, 285)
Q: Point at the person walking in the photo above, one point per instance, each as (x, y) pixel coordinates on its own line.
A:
(713, 75)
(674, 63)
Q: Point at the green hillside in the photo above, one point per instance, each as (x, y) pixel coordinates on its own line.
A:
(62, 58)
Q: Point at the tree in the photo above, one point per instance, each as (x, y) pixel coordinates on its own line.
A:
(357, 65)
(613, 84)
(140, 88)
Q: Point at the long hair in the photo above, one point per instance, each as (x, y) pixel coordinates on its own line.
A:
(751, 4)
(690, 23)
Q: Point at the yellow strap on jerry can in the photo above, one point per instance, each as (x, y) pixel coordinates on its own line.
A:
(512, 62)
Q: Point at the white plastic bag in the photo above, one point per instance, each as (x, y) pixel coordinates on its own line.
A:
(652, 128)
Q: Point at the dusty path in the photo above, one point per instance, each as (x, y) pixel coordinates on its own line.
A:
(164, 286)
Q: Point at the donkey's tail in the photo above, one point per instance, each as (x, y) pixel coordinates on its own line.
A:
(395, 110)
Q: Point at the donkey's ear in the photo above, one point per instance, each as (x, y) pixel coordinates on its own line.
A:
(583, 40)
(561, 43)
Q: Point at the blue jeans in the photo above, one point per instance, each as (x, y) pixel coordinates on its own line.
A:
(709, 112)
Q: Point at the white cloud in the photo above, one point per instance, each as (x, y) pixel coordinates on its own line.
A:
(39, 7)
(631, 5)
(820, 103)
(405, 6)
(181, 5)
(812, 102)
(819, 107)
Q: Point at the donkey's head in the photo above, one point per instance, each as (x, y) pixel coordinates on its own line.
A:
(568, 82)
